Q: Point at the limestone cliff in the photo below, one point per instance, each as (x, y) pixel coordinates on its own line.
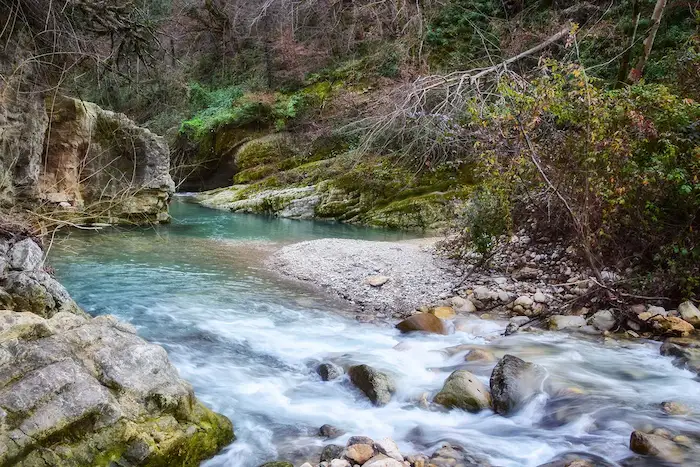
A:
(65, 155)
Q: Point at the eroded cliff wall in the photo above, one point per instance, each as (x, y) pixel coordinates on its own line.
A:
(60, 154)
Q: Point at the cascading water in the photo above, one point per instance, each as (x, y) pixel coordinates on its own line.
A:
(250, 342)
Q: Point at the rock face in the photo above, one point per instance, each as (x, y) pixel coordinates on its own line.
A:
(26, 286)
(72, 155)
(513, 382)
(463, 390)
(425, 322)
(77, 391)
(377, 386)
(96, 393)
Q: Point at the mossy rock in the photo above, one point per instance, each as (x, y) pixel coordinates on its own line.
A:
(254, 174)
(263, 151)
(160, 442)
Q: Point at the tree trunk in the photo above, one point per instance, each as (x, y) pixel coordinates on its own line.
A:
(637, 72)
(625, 61)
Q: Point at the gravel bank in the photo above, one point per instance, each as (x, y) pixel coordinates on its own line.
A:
(413, 274)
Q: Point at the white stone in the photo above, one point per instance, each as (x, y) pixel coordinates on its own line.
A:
(340, 463)
(306, 464)
(482, 293)
(376, 281)
(540, 297)
(504, 297)
(388, 447)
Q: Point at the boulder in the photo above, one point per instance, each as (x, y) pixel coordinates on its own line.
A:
(330, 432)
(561, 322)
(388, 447)
(331, 451)
(26, 255)
(513, 382)
(359, 453)
(603, 320)
(424, 322)
(689, 313)
(329, 371)
(685, 352)
(463, 390)
(377, 386)
(672, 325)
(656, 446)
(77, 388)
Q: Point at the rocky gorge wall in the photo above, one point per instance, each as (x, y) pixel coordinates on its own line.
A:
(76, 390)
(65, 156)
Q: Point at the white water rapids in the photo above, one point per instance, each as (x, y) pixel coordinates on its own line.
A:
(250, 342)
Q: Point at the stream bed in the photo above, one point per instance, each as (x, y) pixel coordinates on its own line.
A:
(249, 342)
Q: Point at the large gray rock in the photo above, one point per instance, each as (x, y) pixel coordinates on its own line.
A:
(513, 382)
(377, 386)
(77, 391)
(26, 255)
(39, 293)
(463, 390)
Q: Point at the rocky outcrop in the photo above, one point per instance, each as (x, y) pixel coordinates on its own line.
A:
(78, 391)
(66, 156)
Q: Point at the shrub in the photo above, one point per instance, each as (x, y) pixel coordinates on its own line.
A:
(627, 163)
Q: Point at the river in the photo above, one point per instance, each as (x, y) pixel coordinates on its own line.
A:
(249, 343)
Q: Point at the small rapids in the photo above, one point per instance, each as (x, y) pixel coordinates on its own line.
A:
(249, 342)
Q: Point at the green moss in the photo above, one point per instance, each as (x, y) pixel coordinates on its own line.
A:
(268, 150)
(425, 212)
(254, 173)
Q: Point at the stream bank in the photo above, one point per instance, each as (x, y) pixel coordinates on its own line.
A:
(250, 342)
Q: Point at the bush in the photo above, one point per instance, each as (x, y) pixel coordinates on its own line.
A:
(626, 161)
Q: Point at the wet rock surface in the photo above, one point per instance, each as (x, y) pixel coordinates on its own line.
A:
(513, 382)
(74, 388)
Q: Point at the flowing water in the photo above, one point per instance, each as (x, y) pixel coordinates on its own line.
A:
(249, 342)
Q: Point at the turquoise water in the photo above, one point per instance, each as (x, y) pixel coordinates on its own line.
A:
(249, 343)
